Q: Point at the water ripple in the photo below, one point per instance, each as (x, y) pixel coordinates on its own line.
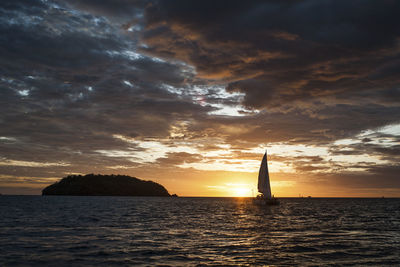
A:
(127, 231)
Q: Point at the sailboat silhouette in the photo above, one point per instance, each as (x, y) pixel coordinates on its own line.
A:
(264, 188)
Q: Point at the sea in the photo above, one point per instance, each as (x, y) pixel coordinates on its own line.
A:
(183, 231)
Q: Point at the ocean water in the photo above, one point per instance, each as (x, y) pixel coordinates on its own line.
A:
(151, 231)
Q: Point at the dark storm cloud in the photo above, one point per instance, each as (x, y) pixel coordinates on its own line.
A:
(377, 177)
(355, 24)
(277, 52)
(69, 81)
(53, 37)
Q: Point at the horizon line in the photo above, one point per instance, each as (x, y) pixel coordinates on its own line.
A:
(306, 197)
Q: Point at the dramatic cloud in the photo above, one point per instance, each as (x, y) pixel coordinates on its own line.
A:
(193, 92)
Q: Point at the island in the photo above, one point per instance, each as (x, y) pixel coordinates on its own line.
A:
(105, 185)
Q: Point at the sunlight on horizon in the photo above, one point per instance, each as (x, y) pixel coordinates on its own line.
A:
(233, 189)
(241, 192)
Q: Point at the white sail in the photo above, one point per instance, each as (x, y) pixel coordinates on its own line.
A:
(263, 178)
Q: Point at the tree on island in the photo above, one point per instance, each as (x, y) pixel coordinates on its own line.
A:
(105, 185)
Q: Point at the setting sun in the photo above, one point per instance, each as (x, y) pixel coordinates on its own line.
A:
(241, 192)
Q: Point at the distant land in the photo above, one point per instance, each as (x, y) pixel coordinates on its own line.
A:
(105, 185)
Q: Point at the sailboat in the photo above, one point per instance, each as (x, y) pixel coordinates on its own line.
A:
(264, 188)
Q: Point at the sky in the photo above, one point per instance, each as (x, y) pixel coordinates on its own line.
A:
(190, 94)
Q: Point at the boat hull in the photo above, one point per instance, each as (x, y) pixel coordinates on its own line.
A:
(265, 201)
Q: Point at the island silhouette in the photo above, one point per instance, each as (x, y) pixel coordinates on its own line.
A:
(105, 185)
